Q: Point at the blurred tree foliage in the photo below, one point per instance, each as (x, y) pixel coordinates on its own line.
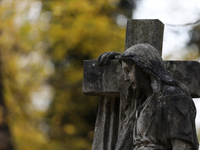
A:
(79, 30)
(23, 72)
(43, 45)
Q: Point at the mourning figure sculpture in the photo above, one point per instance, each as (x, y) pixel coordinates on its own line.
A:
(161, 115)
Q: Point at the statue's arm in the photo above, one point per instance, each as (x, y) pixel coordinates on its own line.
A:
(180, 145)
(105, 57)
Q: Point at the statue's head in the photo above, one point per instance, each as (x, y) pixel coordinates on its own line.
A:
(134, 75)
(146, 58)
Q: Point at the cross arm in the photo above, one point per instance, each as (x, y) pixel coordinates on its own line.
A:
(109, 80)
(188, 73)
(102, 80)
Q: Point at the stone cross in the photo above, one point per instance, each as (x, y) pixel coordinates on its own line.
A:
(108, 81)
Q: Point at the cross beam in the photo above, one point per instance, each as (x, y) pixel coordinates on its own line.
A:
(109, 80)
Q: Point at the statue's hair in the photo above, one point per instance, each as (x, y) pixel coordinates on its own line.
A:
(149, 60)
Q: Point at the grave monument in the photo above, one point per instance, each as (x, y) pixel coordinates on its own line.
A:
(153, 109)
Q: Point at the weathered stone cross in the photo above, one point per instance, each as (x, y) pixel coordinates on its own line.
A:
(107, 81)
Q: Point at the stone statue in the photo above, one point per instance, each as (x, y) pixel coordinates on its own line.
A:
(161, 115)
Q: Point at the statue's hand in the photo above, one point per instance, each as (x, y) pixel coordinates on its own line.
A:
(105, 57)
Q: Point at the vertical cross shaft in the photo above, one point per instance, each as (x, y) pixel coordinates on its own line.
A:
(144, 31)
(140, 31)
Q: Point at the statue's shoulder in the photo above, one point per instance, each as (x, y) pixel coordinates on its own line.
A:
(169, 90)
(174, 94)
(175, 98)
(175, 101)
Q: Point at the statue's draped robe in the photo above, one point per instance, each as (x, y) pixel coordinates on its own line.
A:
(170, 114)
(151, 123)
